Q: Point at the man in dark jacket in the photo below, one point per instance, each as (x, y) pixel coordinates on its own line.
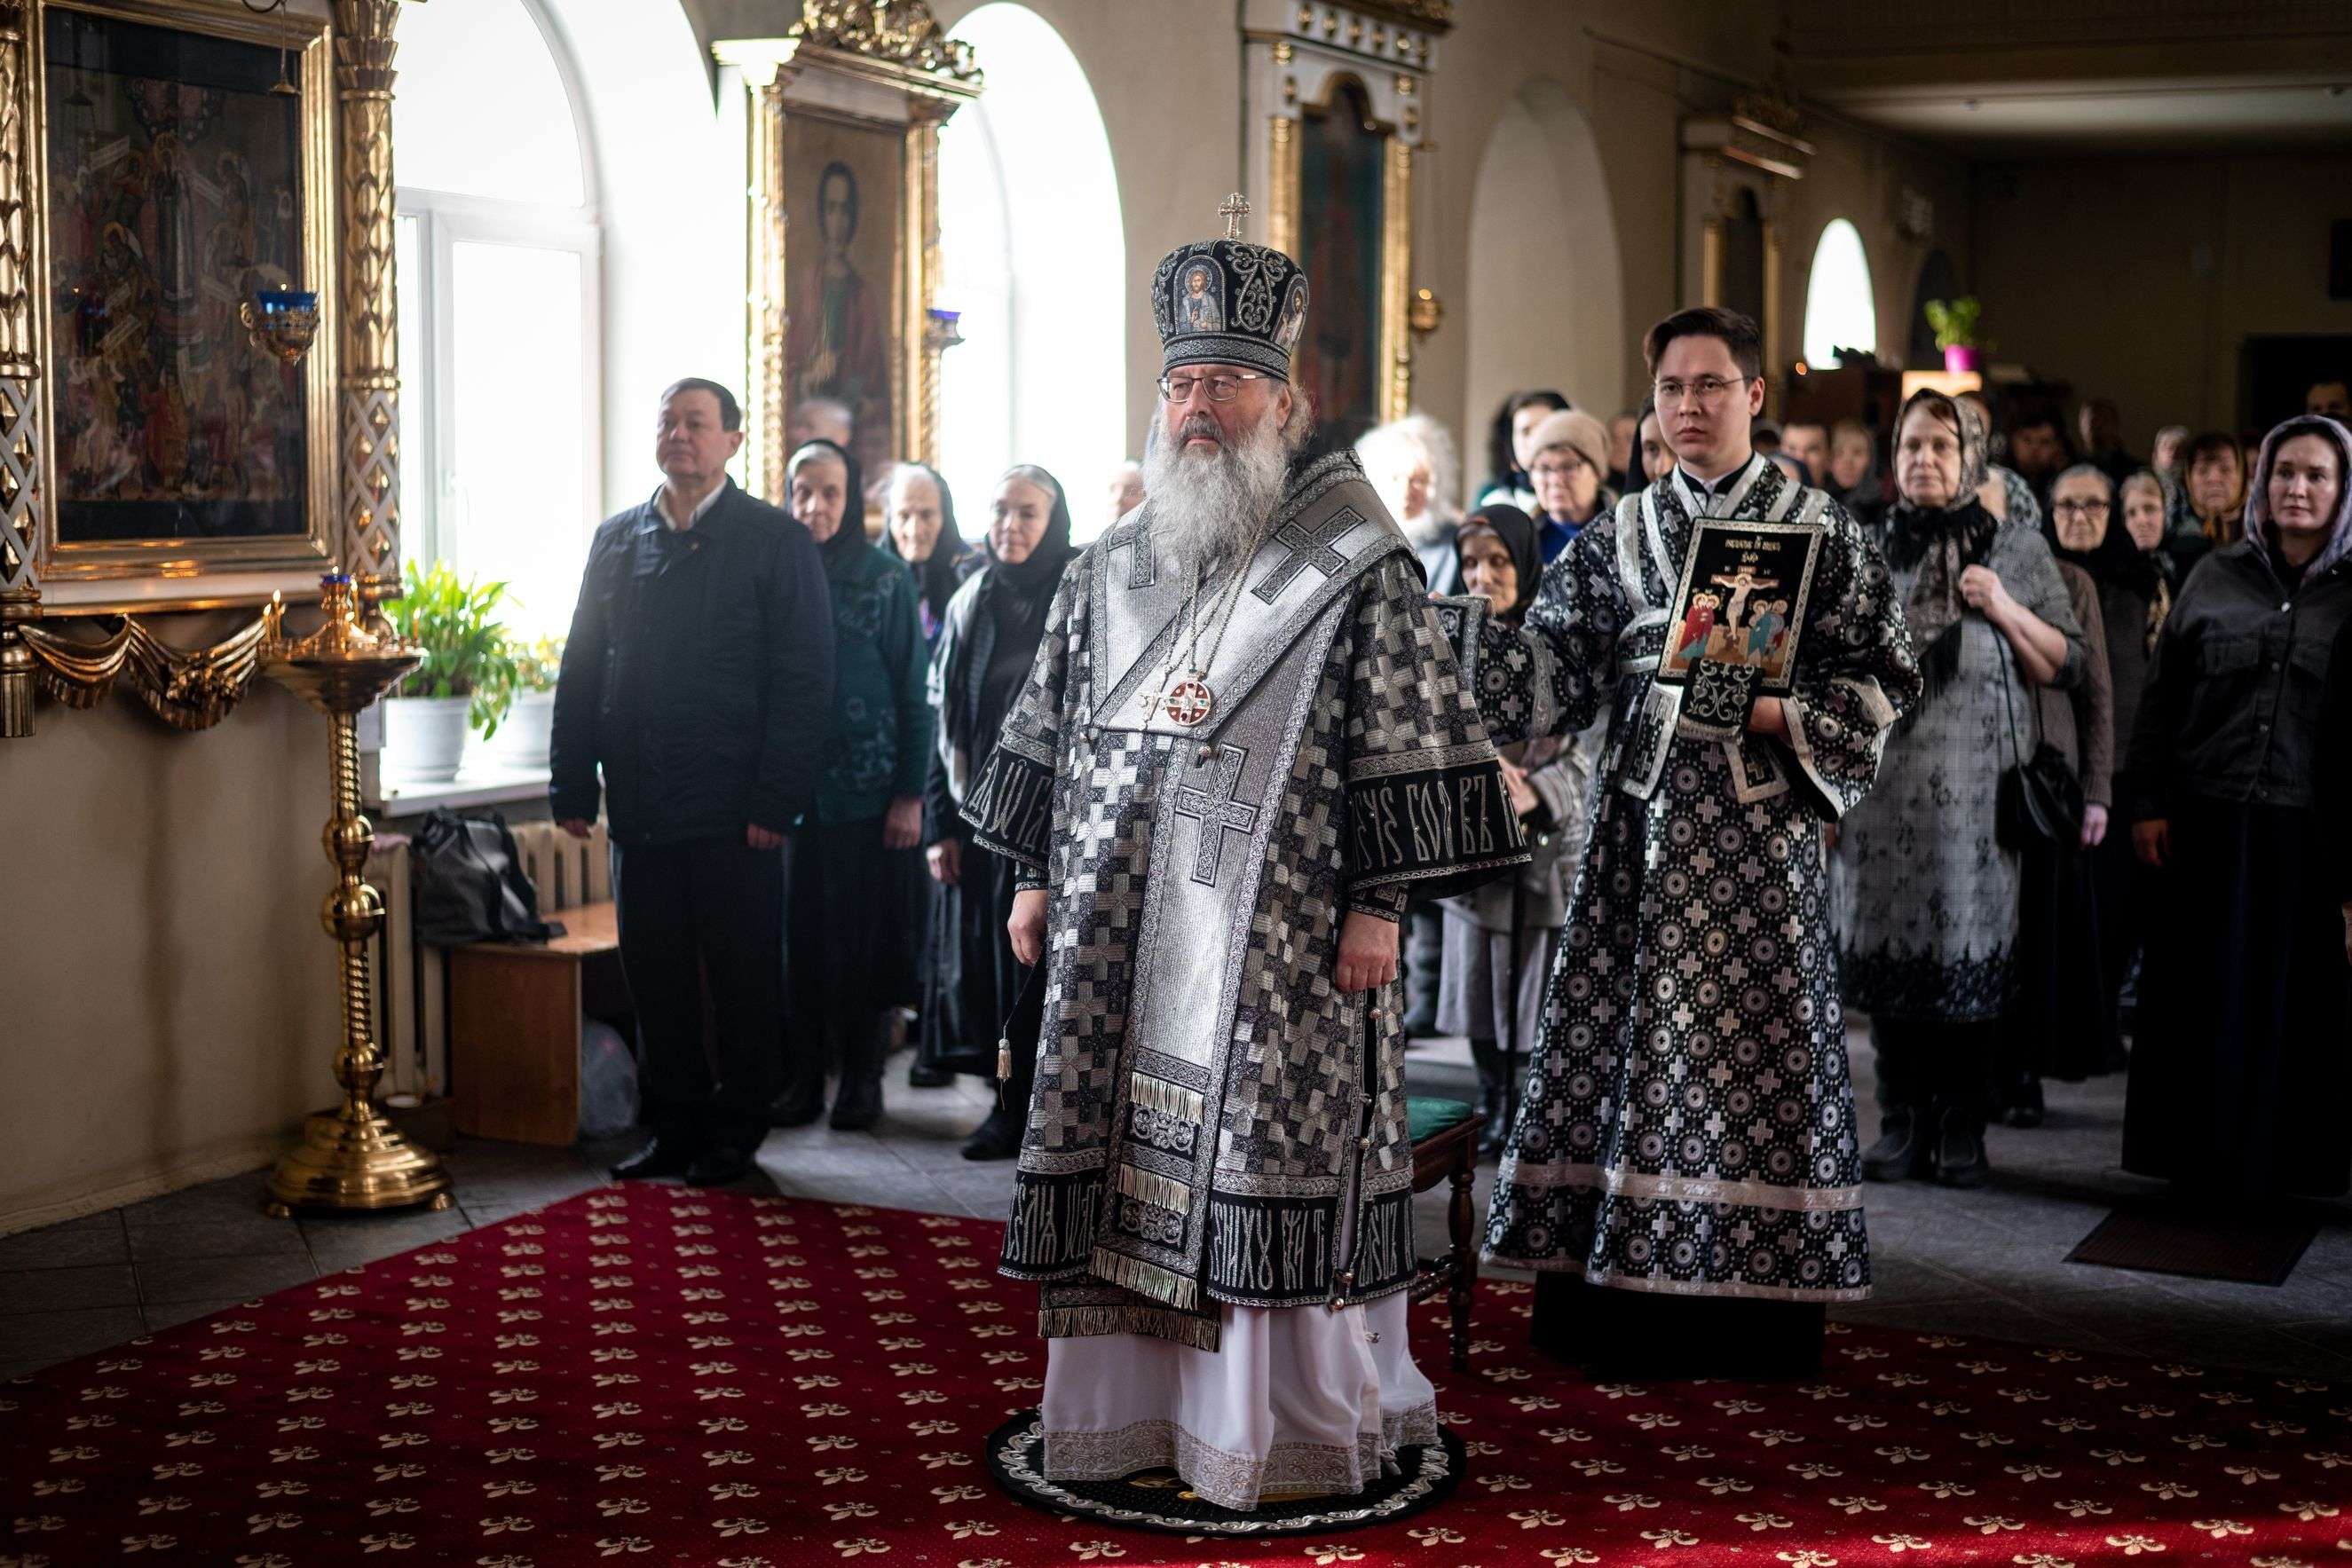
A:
(698, 676)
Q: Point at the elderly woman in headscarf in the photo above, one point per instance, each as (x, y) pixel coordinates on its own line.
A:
(2064, 1024)
(1927, 891)
(849, 960)
(918, 529)
(2241, 1070)
(990, 639)
(1549, 780)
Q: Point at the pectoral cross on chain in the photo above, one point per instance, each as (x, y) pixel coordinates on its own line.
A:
(1218, 812)
(1236, 207)
(1308, 547)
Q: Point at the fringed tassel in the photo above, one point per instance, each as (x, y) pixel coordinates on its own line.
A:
(1166, 1099)
(1155, 1190)
(1150, 1280)
(1182, 1328)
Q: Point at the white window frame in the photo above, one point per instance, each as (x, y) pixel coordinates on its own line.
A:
(445, 220)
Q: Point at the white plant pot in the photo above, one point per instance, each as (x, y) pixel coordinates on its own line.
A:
(521, 741)
(424, 738)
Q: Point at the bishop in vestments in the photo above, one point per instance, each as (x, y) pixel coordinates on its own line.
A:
(1244, 740)
(1684, 1168)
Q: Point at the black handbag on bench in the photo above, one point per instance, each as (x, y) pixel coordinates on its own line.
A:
(469, 885)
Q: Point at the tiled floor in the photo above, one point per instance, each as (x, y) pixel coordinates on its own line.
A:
(1989, 1263)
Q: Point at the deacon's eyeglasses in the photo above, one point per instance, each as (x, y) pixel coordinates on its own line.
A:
(2080, 508)
(1221, 389)
(1706, 389)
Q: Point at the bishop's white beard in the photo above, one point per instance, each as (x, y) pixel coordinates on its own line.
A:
(1209, 507)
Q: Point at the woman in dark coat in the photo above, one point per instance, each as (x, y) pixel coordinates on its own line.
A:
(1551, 780)
(987, 643)
(2240, 1069)
(847, 958)
(918, 529)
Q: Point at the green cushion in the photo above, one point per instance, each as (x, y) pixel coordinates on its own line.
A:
(1426, 1117)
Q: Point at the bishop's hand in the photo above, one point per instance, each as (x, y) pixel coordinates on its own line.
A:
(1368, 952)
(1026, 925)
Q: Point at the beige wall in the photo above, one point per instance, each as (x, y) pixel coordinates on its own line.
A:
(167, 1000)
(2138, 278)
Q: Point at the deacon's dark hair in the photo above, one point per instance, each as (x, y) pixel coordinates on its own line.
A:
(1739, 334)
(730, 412)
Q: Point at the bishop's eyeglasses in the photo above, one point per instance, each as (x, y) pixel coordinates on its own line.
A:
(1221, 389)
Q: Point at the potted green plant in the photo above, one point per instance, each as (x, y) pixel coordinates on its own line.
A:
(1954, 324)
(522, 741)
(466, 678)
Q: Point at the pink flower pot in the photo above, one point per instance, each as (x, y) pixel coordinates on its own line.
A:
(1959, 360)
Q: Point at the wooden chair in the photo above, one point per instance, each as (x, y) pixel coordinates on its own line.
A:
(1445, 1134)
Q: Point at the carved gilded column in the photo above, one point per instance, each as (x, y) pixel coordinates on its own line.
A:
(764, 292)
(1282, 184)
(367, 322)
(20, 375)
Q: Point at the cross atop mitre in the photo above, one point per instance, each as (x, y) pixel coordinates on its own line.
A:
(1236, 207)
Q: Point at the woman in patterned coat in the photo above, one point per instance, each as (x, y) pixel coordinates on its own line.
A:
(1927, 898)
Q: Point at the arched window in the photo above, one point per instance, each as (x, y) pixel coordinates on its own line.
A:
(1841, 312)
(1035, 257)
(498, 304)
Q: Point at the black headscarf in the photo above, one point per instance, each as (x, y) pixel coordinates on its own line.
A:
(1012, 598)
(849, 540)
(2115, 559)
(1517, 532)
(1040, 572)
(936, 577)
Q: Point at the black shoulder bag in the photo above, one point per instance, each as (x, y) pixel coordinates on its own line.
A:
(2040, 800)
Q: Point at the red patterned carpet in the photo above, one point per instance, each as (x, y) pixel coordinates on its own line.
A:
(652, 1375)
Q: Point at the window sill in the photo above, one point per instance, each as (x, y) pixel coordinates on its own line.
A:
(476, 785)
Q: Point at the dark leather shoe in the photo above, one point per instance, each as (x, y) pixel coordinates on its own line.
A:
(998, 1138)
(1960, 1151)
(717, 1167)
(797, 1108)
(1901, 1150)
(857, 1102)
(659, 1157)
(2026, 1107)
(921, 1077)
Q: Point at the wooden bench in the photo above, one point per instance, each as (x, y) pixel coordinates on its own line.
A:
(1445, 1134)
(515, 1015)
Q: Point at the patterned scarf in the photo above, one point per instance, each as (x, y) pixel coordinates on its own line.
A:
(1942, 542)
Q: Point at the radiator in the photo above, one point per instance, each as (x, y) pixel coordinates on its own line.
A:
(412, 1023)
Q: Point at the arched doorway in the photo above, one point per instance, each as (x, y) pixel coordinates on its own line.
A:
(1033, 255)
(1841, 308)
(1545, 303)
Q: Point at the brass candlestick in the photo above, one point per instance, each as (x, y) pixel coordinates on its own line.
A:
(350, 1157)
